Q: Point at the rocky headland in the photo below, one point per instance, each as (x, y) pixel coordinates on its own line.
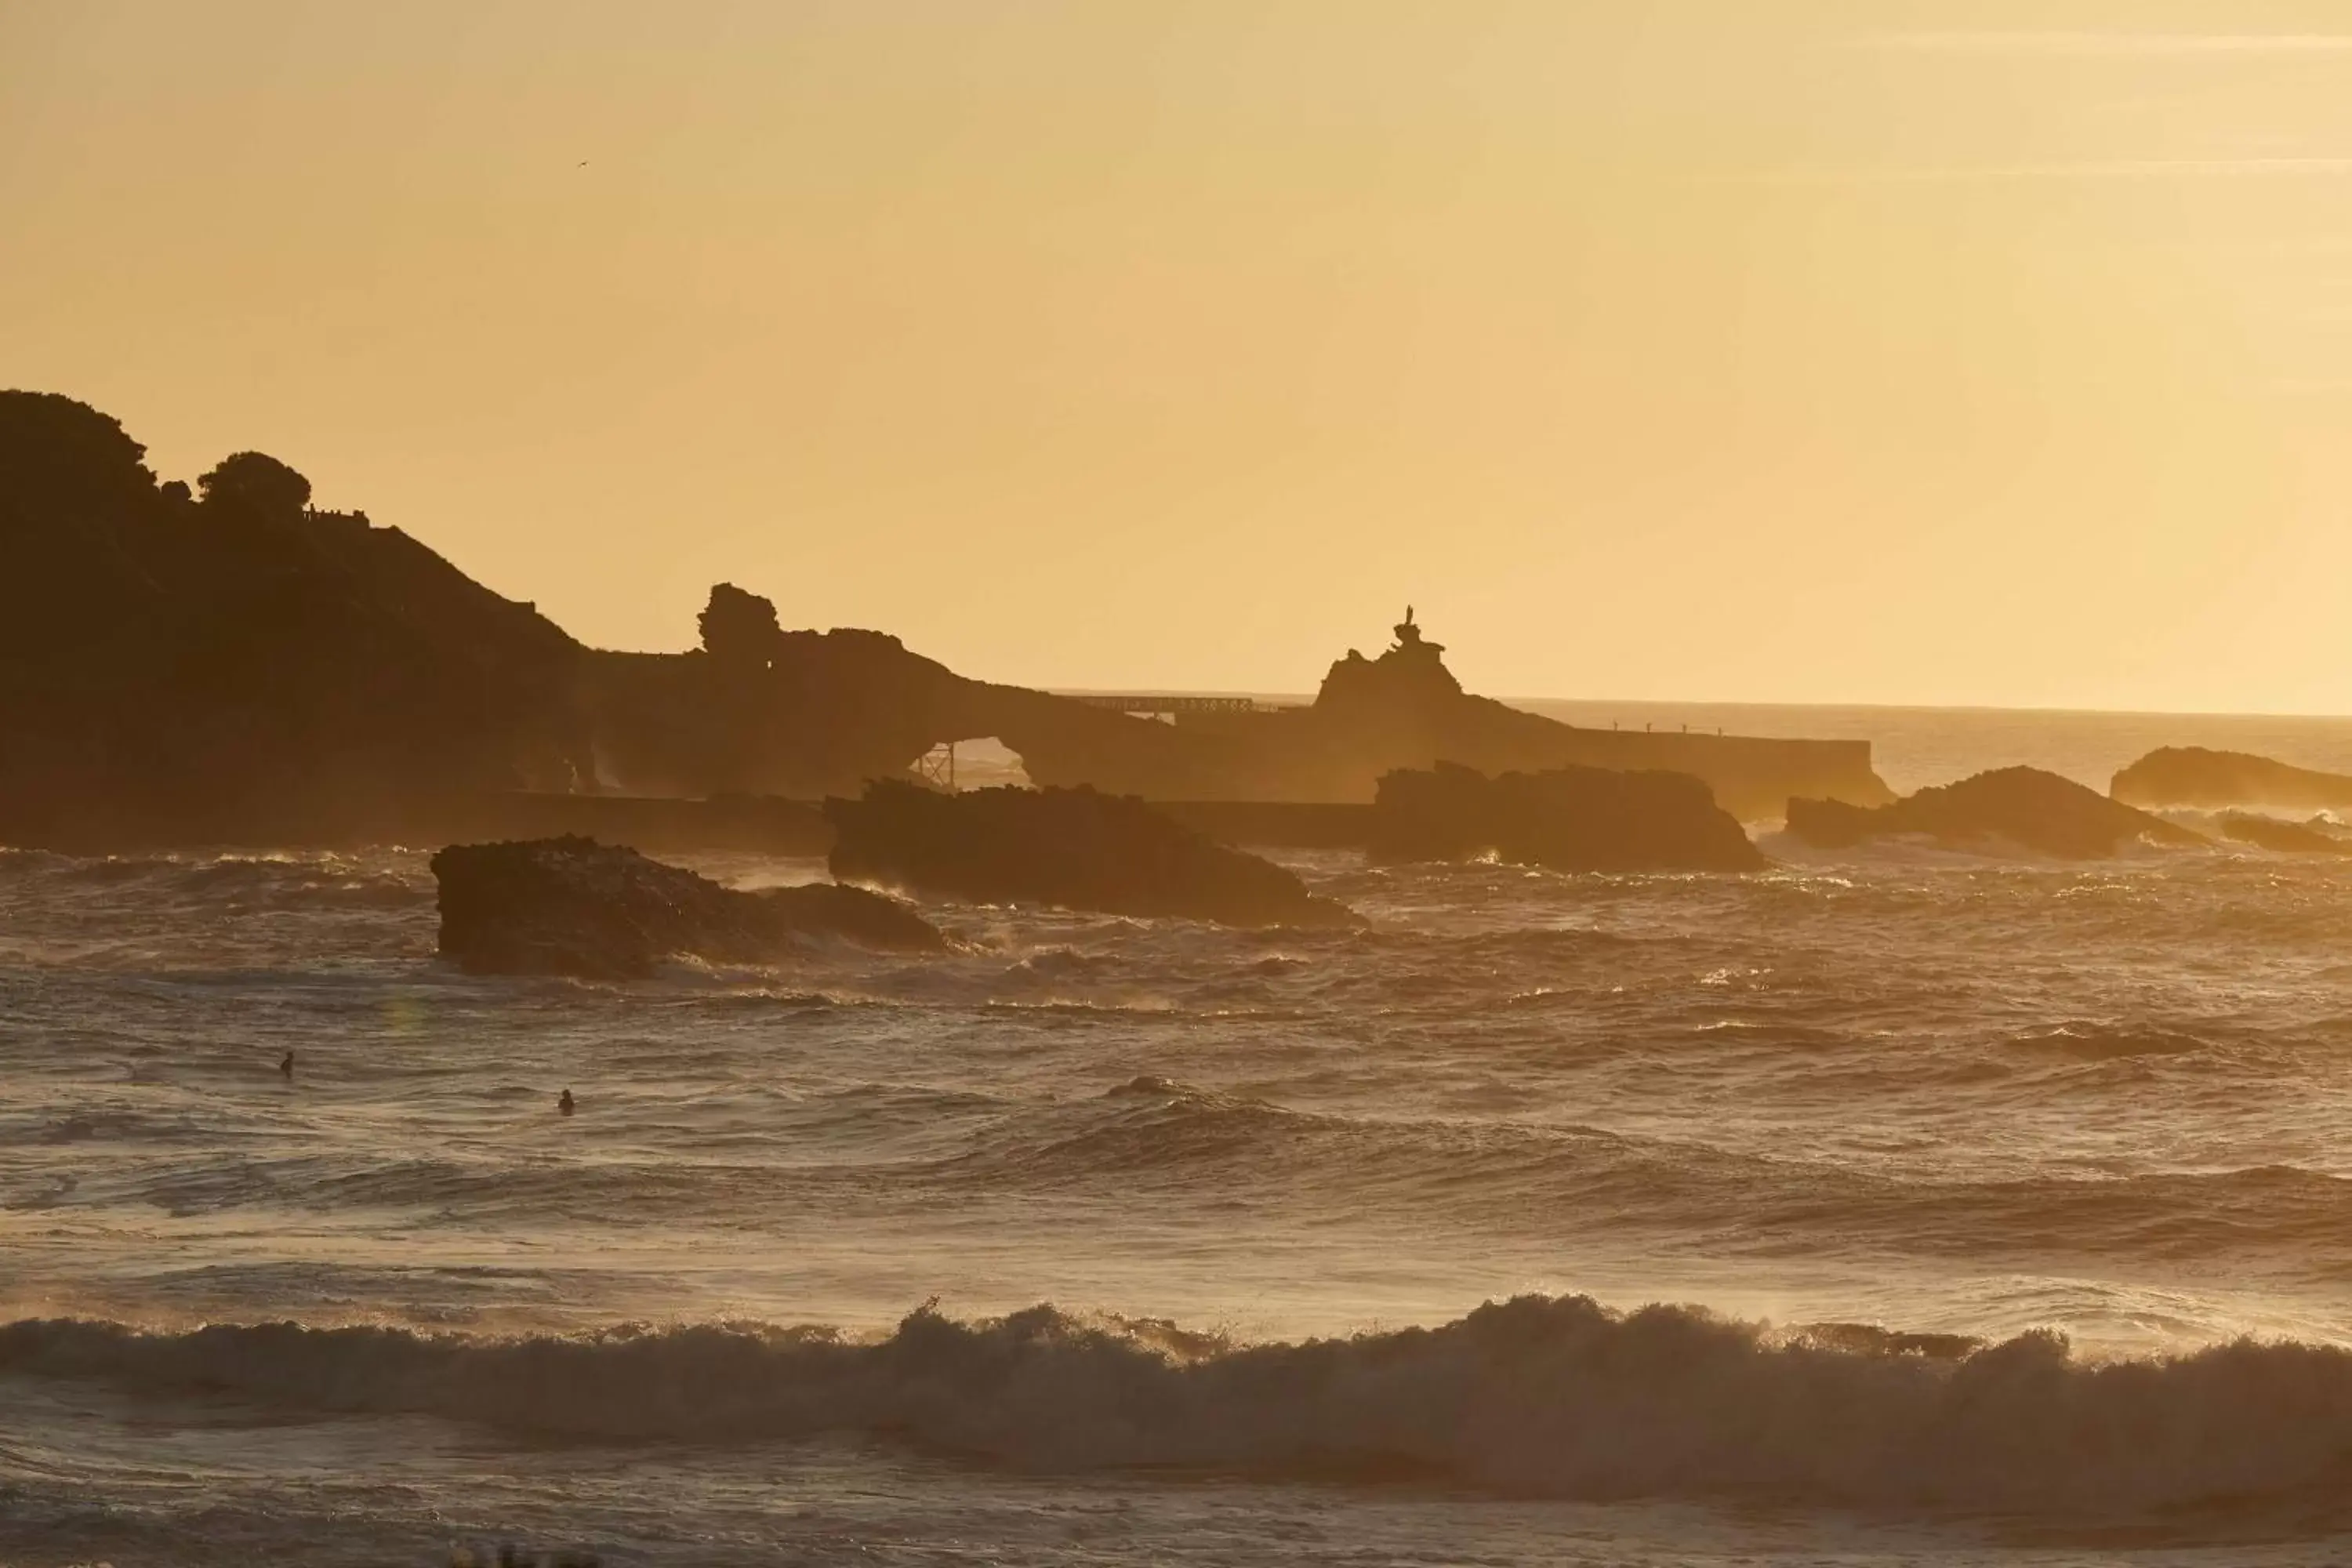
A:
(760, 709)
(226, 663)
(1067, 849)
(2195, 777)
(2008, 808)
(755, 709)
(1571, 819)
(573, 906)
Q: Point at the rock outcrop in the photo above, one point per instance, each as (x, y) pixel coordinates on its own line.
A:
(573, 906)
(1072, 848)
(2021, 808)
(2283, 837)
(229, 664)
(2194, 777)
(1572, 819)
(1404, 710)
(759, 709)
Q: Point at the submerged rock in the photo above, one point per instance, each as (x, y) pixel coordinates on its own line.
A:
(2209, 781)
(2285, 837)
(2025, 807)
(573, 906)
(1072, 847)
(1572, 819)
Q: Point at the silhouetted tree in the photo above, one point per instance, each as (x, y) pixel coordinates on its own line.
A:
(58, 451)
(255, 482)
(739, 629)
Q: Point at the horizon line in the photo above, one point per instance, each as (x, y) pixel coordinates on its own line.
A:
(1522, 701)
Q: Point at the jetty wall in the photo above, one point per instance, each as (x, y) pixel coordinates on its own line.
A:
(765, 825)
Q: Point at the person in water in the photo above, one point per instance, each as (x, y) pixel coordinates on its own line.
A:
(564, 1103)
(286, 1068)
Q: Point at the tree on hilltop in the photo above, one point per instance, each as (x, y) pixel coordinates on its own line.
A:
(255, 482)
(55, 449)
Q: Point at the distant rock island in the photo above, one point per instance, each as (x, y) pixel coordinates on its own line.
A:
(2022, 808)
(2281, 838)
(2205, 780)
(571, 906)
(1070, 849)
(226, 663)
(1571, 819)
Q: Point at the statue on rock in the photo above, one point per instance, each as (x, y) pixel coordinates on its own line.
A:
(1410, 675)
(1410, 642)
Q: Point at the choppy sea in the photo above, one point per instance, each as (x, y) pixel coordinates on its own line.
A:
(1885, 1206)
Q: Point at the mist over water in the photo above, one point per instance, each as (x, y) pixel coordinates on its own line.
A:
(1998, 1208)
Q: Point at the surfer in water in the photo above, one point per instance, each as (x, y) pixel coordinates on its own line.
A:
(286, 1068)
(564, 1103)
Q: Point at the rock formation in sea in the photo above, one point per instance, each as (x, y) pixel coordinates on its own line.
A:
(1572, 819)
(2008, 808)
(2285, 837)
(1071, 848)
(2192, 776)
(1405, 710)
(758, 709)
(573, 906)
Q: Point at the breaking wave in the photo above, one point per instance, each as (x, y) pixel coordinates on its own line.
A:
(1551, 1397)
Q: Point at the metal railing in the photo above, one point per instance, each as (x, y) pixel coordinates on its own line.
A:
(1138, 702)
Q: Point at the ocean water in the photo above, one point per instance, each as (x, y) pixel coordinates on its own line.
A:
(1893, 1206)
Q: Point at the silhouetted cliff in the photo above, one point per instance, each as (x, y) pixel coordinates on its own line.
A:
(229, 663)
(2194, 777)
(1075, 848)
(1572, 819)
(226, 663)
(179, 665)
(2023, 808)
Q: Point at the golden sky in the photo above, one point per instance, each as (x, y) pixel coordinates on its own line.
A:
(1841, 349)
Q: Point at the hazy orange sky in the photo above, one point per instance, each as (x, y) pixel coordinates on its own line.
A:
(1872, 351)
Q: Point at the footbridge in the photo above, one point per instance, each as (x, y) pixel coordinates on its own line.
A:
(1163, 706)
